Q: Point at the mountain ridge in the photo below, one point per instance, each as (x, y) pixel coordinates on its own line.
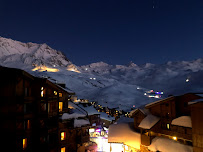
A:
(125, 85)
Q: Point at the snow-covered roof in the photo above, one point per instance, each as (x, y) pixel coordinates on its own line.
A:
(169, 98)
(71, 116)
(144, 111)
(123, 119)
(81, 122)
(65, 89)
(91, 110)
(132, 112)
(184, 121)
(149, 121)
(168, 145)
(122, 133)
(104, 116)
(195, 101)
(200, 94)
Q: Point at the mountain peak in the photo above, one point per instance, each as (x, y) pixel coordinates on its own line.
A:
(30, 53)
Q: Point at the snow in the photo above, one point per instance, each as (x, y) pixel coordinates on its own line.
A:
(201, 95)
(105, 116)
(195, 101)
(115, 84)
(91, 110)
(81, 122)
(132, 112)
(122, 133)
(184, 121)
(71, 116)
(168, 145)
(148, 122)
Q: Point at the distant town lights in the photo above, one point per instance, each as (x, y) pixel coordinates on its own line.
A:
(187, 80)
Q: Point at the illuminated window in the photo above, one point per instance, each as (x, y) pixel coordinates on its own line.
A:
(60, 106)
(60, 94)
(63, 149)
(28, 124)
(168, 126)
(63, 135)
(24, 143)
(55, 93)
(42, 91)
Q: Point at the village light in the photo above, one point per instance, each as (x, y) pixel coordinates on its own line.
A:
(174, 138)
(24, 143)
(63, 135)
(91, 130)
(187, 80)
(44, 68)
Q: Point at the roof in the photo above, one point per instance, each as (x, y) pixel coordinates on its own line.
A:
(133, 112)
(200, 94)
(73, 106)
(184, 121)
(159, 101)
(17, 71)
(104, 116)
(122, 133)
(73, 115)
(195, 101)
(159, 144)
(91, 110)
(66, 89)
(81, 122)
(149, 121)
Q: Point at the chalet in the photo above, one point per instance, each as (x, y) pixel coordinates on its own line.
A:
(170, 118)
(176, 121)
(31, 108)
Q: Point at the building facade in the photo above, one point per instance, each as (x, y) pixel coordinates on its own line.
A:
(31, 108)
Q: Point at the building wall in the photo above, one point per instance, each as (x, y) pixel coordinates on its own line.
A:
(197, 126)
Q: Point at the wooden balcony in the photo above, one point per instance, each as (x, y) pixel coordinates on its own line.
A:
(145, 140)
(177, 134)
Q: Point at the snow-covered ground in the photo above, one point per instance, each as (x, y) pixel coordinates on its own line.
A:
(119, 86)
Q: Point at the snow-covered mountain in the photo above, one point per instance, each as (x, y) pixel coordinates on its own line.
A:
(31, 54)
(122, 86)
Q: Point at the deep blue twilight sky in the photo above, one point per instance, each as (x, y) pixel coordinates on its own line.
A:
(113, 31)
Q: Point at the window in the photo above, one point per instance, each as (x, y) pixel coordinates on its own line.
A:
(63, 149)
(60, 106)
(60, 94)
(168, 126)
(26, 92)
(42, 91)
(24, 143)
(55, 93)
(28, 124)
(63, 135)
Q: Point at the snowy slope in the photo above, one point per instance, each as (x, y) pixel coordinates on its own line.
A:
(119, 86)
(30, 54)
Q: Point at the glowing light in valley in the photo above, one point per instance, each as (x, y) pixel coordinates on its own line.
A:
(72, 68)
(187, 80)
(44, 68)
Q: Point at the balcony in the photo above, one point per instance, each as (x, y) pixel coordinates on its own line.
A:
(145, 140)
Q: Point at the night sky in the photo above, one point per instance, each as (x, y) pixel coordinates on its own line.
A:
(113, 31)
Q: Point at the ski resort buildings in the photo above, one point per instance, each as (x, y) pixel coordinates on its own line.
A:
(32, 111)
(176, 121)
